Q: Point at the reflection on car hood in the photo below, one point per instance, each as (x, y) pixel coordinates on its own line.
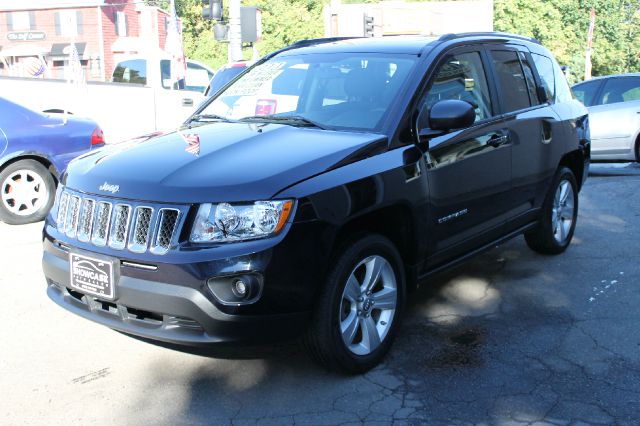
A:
(235, 162)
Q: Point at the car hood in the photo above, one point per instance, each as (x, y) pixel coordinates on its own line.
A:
(236, 162)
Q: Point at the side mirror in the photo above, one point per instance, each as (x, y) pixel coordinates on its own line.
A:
(447, 115)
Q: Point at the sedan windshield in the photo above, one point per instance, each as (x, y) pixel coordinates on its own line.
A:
(342, 90)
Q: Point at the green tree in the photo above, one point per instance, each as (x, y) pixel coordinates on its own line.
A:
(562, 25)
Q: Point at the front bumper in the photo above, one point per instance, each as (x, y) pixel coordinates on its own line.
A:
(173, 304)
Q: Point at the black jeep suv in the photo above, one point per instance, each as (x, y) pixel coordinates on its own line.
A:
(314, 190)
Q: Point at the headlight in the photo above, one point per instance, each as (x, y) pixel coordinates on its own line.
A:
(226, 222)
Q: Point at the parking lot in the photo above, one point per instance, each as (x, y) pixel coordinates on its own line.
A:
(510, 337)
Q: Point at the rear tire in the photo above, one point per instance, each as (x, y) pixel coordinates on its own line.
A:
(27, 191)
(359, 309)
(558, 217)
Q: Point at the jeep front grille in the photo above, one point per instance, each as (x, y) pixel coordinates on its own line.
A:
(118, 225)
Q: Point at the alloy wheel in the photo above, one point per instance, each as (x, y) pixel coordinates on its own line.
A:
(368, 305)
(562, 211)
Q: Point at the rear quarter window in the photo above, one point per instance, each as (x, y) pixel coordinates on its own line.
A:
(563, 92)
(544, 66)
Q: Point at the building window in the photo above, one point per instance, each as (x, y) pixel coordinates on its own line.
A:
(69, 23)
(21, 21)
(121, 24)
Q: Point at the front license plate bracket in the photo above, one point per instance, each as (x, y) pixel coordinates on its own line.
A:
(92, 276)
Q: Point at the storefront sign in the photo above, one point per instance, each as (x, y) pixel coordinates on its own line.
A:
(26, 35)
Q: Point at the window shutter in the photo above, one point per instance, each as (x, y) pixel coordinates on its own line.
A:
(58, 32)
(9, 21)
(79, 22)
(32, 20)
(126, 25)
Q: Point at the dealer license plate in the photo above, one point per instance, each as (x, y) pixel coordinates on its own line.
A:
(92, 276)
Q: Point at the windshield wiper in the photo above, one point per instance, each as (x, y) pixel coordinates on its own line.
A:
(208, 117)
(286, 119)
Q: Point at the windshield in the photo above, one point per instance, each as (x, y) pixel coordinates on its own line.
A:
(222, 77)
(342, 90)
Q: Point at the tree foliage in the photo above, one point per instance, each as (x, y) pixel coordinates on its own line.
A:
(562, 25)
(283, 22)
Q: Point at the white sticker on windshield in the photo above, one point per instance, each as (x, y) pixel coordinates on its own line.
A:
(251, 83)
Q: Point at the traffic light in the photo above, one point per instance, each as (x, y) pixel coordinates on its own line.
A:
(212, 9)
(368, 25)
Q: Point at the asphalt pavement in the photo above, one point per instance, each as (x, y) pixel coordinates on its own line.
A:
(510, 337)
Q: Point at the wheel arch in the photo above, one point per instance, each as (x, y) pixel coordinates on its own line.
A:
(39, 158)
(395, 223)
(574, 160)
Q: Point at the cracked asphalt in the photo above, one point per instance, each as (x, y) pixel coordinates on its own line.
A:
(510, 337)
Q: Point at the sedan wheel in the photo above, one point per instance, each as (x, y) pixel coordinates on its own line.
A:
(26, 192)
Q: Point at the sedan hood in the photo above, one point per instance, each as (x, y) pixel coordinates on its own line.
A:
(235, 162)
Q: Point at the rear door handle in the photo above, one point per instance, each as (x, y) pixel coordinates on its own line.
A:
(497, 140)
(187, 102)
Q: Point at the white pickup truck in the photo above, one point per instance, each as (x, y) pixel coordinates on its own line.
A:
(139, 99)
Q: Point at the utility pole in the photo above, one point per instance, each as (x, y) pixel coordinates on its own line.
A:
(587, 59)
(235, 32)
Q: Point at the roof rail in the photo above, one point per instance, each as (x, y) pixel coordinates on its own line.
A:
(304, 43)
(312, 41)
(453, 36)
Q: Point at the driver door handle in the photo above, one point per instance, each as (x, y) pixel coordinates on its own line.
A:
(497, 140)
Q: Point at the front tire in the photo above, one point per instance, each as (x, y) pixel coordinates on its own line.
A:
(27, 191)
(359, 309)
(558, 218)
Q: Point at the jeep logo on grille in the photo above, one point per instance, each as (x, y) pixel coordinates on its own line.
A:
(107, 187)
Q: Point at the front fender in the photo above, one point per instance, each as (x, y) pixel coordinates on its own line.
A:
(354, 195)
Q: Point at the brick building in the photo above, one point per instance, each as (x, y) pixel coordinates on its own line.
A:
(33, 32)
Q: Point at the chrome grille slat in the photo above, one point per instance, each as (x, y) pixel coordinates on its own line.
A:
(167, 224)
(108, 222)
(85, 221)
(141, 229)
(71, 220)
(62, 210)
(101, 227)
(119, 226)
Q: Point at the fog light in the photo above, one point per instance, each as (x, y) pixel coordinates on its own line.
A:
(237, 289)
(240, 288)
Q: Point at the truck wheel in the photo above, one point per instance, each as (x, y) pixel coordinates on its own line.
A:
(558, 216)
(360, 306)
(27, 191)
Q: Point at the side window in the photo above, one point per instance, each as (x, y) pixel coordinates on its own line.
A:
(586, 92)
(461, 76)
(622, 89)
(511, 79)
(544, 66)
(531, 82)
(165, 73)
(134, 71)
(197, 78)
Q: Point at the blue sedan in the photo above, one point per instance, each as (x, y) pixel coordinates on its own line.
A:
(35, 149)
